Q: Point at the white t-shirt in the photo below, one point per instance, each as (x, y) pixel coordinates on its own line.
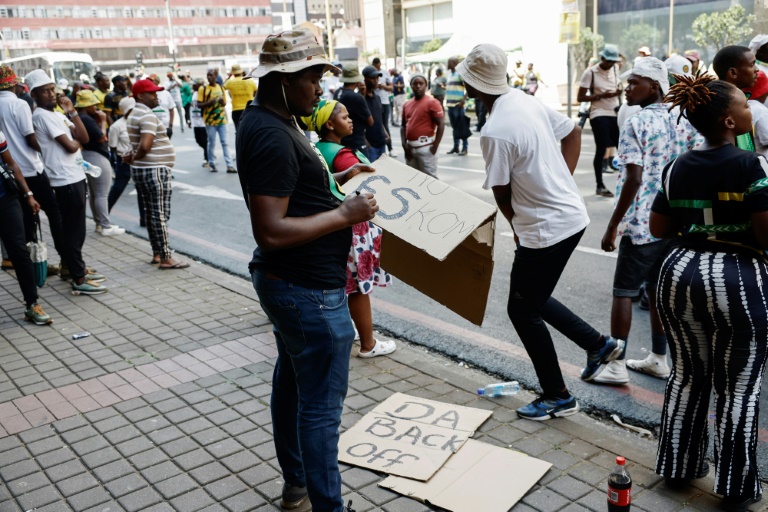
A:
(599, 81)
(760, 125)
(625, 112)
(175, 92)
(63, 168)
(547, 203)
(164, 106)
(16, 123)
(383, 94)
(118, 137)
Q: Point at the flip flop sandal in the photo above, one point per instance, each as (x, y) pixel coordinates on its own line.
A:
(381, 348)
(177, 266)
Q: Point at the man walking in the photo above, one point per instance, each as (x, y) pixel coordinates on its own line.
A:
(357, 108)
(438, 87)
(375, 134)
(61, 138)
(212, 99)
(398, 100)
(302, 225)
(422, 129)
(383, 89)
(531, 179)
(173, 86)
(240, 91)
(455, 97)
(151, 161)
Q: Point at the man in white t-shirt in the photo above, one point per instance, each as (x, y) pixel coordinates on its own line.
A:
(173, 86)
(531, 179)
(61, 138)
(16, 123)
(165, 108)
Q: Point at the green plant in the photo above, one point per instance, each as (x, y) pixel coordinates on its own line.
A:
(721, 29)
(640, 34)
(582, 52)
(431, 46)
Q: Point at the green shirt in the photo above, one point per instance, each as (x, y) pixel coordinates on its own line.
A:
(186, 93)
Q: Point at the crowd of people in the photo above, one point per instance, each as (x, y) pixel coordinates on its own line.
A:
(690, 221)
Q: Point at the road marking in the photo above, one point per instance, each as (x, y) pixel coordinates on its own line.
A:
(476, 171)
(206, 191)
(598, 252)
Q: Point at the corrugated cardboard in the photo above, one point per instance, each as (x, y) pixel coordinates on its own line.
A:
(437, 238)
(409, 436)
(478, 477)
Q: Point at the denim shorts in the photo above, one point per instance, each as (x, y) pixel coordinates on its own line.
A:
(638, 264)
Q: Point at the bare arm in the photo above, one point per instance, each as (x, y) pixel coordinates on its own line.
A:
(78, 131)
(22, 183)
(369, 121)
(628, 193)
(438, 135)
(760, 228)
(32, 142)
(503, 196)
(274, 230)
(406, 147)
(662, 226)
(344, 176)
(582, 95)
(145, 145)
(570, 147)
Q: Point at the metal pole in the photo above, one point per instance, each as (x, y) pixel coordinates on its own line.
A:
(6, 50)
(329, 28)
(569, 80)
(594, 28)
(671, 25)
(402, 22)
(172, 42)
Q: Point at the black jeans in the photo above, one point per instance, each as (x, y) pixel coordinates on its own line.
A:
(386, 115)
(41, 188)
(236, 115)
(535, 273)
(187, 108)
(606, 132)
(201, 137)
(71, 199)
(122, 178)
(12, 236)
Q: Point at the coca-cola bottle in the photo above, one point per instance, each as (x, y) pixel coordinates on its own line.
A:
(619, 488)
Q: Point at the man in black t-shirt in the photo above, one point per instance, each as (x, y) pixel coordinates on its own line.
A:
(302, 224)
(375, 135)
(357, 107)
(112, 100)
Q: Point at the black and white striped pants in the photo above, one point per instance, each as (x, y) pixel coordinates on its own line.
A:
(714, 307)
(154, 184)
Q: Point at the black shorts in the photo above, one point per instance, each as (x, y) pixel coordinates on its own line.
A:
(606, 131)
(638, 264)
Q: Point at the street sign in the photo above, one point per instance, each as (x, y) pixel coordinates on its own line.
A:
(570, 27)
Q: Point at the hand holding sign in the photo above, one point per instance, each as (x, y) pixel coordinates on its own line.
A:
(359, 208)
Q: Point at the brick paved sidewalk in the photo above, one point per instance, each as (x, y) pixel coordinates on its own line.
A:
(165, 405)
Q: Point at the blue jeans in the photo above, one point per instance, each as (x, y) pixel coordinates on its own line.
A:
(456, 115)
(374, 153)
(221, 130)
(314, 335)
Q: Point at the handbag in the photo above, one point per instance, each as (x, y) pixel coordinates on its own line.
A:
(38, 253)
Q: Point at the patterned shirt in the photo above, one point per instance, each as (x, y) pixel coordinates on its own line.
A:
(651, 139)
(454, 90)
(143, 120)
(214, 114)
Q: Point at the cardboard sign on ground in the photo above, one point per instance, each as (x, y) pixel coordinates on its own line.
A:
(478, 477)
(409, 436)
(437, 238)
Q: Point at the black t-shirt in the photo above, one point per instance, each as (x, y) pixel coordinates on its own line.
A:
(94, 136)
(112, 103)
(375, 134)
(710, 196)
(359, 113)
(275, 159)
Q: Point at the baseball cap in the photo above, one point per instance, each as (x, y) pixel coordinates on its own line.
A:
(610, 52)
(351, 74)
(371, 72)
(126, 104)
(761, 86)
(37, 78)
(8, 78)
(678, 65)
(692, 55)
(653, 68)
(485, 69)
(144, 85)
(63, 83)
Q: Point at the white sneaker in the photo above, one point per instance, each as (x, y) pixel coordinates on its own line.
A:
(98, 228)
(112, 230)
(654, 365)
(614, 372)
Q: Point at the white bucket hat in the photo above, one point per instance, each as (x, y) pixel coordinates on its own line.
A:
(289, 52)
(652, 68)
(485, 69)
(37, 78)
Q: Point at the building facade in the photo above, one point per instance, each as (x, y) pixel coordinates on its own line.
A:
(117, 33)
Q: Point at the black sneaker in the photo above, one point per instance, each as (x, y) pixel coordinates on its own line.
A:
(454, 151)
(463, 152)
(602, 191)
(596, 360)
(293, 497)
(349, 507)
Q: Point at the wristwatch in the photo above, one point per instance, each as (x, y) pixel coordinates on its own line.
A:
(28, 194)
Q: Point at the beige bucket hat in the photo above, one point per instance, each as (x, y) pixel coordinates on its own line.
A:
(289, 52)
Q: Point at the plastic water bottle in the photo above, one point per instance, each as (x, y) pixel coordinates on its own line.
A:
(500, 389)
(619, 488)
(93, 170)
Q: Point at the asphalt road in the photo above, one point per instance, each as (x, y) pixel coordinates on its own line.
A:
(210, 223)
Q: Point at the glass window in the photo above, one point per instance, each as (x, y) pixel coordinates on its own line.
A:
(127, 13)
(3, 12)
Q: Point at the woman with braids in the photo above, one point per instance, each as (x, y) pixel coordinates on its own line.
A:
(712, 294)
(331, 121)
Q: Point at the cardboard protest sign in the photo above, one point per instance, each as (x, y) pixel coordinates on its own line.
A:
(478, 477)
(409, 436)
(433, 230)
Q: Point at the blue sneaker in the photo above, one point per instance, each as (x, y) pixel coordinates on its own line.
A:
(546, 408)
(597, 360)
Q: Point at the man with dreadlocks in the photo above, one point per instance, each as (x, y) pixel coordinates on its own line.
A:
(650, 139)
(711, 294)
(737, 65)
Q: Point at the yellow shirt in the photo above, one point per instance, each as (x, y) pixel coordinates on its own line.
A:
(241, 91)
(100, 96)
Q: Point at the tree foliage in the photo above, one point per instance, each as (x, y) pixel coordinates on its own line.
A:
(431, 46)
(582, 52)
(724, 28)
(637, 35)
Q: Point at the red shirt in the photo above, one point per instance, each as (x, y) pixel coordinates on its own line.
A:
(420, 117)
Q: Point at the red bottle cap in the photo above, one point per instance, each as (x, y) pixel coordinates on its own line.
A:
(621, 461)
